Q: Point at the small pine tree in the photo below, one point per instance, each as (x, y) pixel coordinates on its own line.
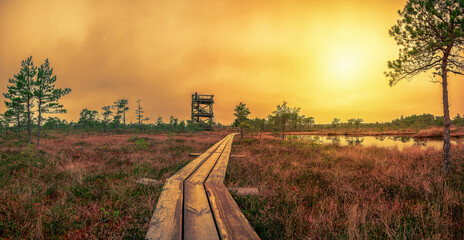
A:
(282, 115)
(7, 118)
(241, 113)
(14, 103)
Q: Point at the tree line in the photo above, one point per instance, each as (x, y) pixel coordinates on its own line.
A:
(113, 117)
(31, 95)
(285, 118)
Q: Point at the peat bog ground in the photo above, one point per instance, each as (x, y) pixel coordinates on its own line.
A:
(84, 186)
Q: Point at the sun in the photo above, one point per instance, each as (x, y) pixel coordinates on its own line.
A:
(343, 65)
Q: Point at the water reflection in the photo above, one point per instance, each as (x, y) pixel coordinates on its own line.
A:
(354, 140)
(381, 141)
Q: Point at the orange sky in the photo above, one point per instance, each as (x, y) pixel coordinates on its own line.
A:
(326, 57)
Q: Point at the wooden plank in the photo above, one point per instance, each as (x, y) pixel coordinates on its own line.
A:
(194, 164)
(219, 172)
(200, 175)
(230, 221)
(150, 182)
(244, 191)
(232, 156)
(166, 222)
(198, 219)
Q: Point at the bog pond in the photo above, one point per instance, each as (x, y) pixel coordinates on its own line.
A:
(380, 141)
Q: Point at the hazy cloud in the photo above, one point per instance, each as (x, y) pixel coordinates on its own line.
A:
(259, 52)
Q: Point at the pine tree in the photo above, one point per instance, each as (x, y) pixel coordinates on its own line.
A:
(7, 118)
(26, 81)
(241, 113)
(282, 115)
(88, 118)
(430, 34)
(121, 107)
(14, 103)
(46, 94)
(106, 116)
(139, 113)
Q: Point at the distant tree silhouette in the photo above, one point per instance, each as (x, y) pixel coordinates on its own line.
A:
(55, 123)
(125, 108)
(159, 122)
(106, 114)
(173, 121)
(309, 122)
(88, 118)
(241, 113)
(458, 120)
(282, 115)
(356, 122)
(121, 107)
(430, 34)
(139, 114)
(336, 122)
(259, 125)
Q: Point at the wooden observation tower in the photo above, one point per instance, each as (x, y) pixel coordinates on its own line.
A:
(202, 110)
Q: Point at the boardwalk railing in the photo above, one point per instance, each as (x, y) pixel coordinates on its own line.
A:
(195, 204)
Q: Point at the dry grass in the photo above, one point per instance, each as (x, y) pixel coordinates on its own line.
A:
(424, 133)
(311, 191)
(438, 132)
(83, 187)
(357, 132)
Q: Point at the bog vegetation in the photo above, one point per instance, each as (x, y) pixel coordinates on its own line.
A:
(84, 186)
(78, 180)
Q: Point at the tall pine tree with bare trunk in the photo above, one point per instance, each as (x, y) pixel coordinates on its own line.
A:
(139, 114)
(121, 108)
(431, 39)
(26, 82)
(47, 95)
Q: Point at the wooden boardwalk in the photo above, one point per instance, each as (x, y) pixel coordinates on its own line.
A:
(195, 204)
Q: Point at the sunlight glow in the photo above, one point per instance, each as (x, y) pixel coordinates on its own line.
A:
(327, 57)
(343, 65)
